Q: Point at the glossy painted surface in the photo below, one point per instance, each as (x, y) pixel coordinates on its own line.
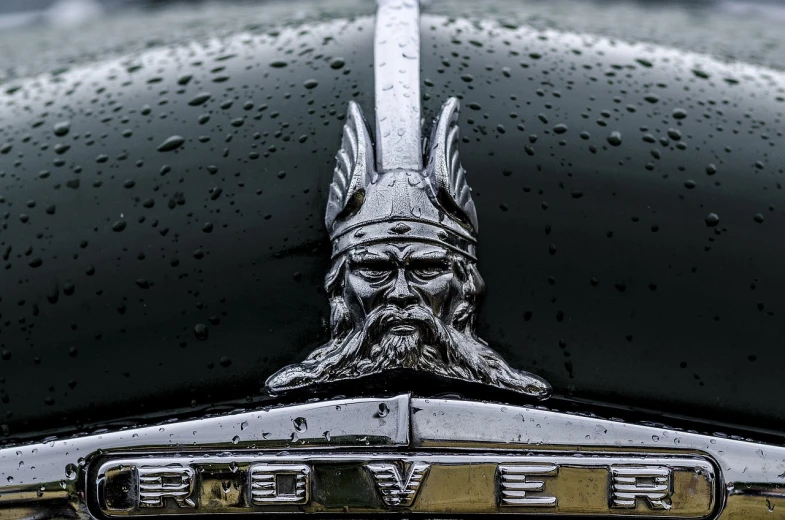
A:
(144, 273)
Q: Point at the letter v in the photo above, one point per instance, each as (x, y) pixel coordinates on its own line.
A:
(397, 490)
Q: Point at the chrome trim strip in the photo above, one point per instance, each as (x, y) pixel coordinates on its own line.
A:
(752, 475)
(38, 473)
(397, 86)
(52, 479)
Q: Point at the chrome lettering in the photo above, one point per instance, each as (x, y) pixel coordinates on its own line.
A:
(279, 484)
(158, 483)
(395, 489)
(652, 484)
(516, 485)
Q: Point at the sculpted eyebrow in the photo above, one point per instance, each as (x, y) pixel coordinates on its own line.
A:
(368, 257)
(429, 257)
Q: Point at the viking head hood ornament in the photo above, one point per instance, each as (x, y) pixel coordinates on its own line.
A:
(403, 284)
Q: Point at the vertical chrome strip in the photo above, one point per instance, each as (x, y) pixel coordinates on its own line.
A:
(397, 80)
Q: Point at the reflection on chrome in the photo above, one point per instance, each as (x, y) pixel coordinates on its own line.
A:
(395, 454)
(404, 284)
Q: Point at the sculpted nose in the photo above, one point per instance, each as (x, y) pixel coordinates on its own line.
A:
(401, 294)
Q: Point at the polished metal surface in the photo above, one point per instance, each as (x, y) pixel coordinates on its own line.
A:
(751, 476)
(684, 486)
(397, 85)
(439, 456)
(265, 484)
(43, 477)
(404, 283)
(397, 488)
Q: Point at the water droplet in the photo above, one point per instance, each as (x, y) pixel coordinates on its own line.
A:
(614, 139)
(712, 219)
(300, 425)
(172, 143)
(679, 113)
(310, 83)
(70, 471)
(62, 128)
(236, 439)
(200, 330)
(199, 99)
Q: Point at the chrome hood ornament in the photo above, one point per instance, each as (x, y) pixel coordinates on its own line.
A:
(404, 283)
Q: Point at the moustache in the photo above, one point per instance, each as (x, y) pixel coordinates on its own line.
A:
(383, 318)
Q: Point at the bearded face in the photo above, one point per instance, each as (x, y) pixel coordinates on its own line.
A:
(399, 293)
(404, 305)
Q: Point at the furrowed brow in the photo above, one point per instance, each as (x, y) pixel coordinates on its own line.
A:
(429, 256)
(367, 256)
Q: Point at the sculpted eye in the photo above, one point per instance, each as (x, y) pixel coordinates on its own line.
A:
(372, 274)
(372, 271)
(430, 270)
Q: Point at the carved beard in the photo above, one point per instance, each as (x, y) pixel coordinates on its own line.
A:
(374, 348)
(398, 350)
(382, 348)
(433, 347)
